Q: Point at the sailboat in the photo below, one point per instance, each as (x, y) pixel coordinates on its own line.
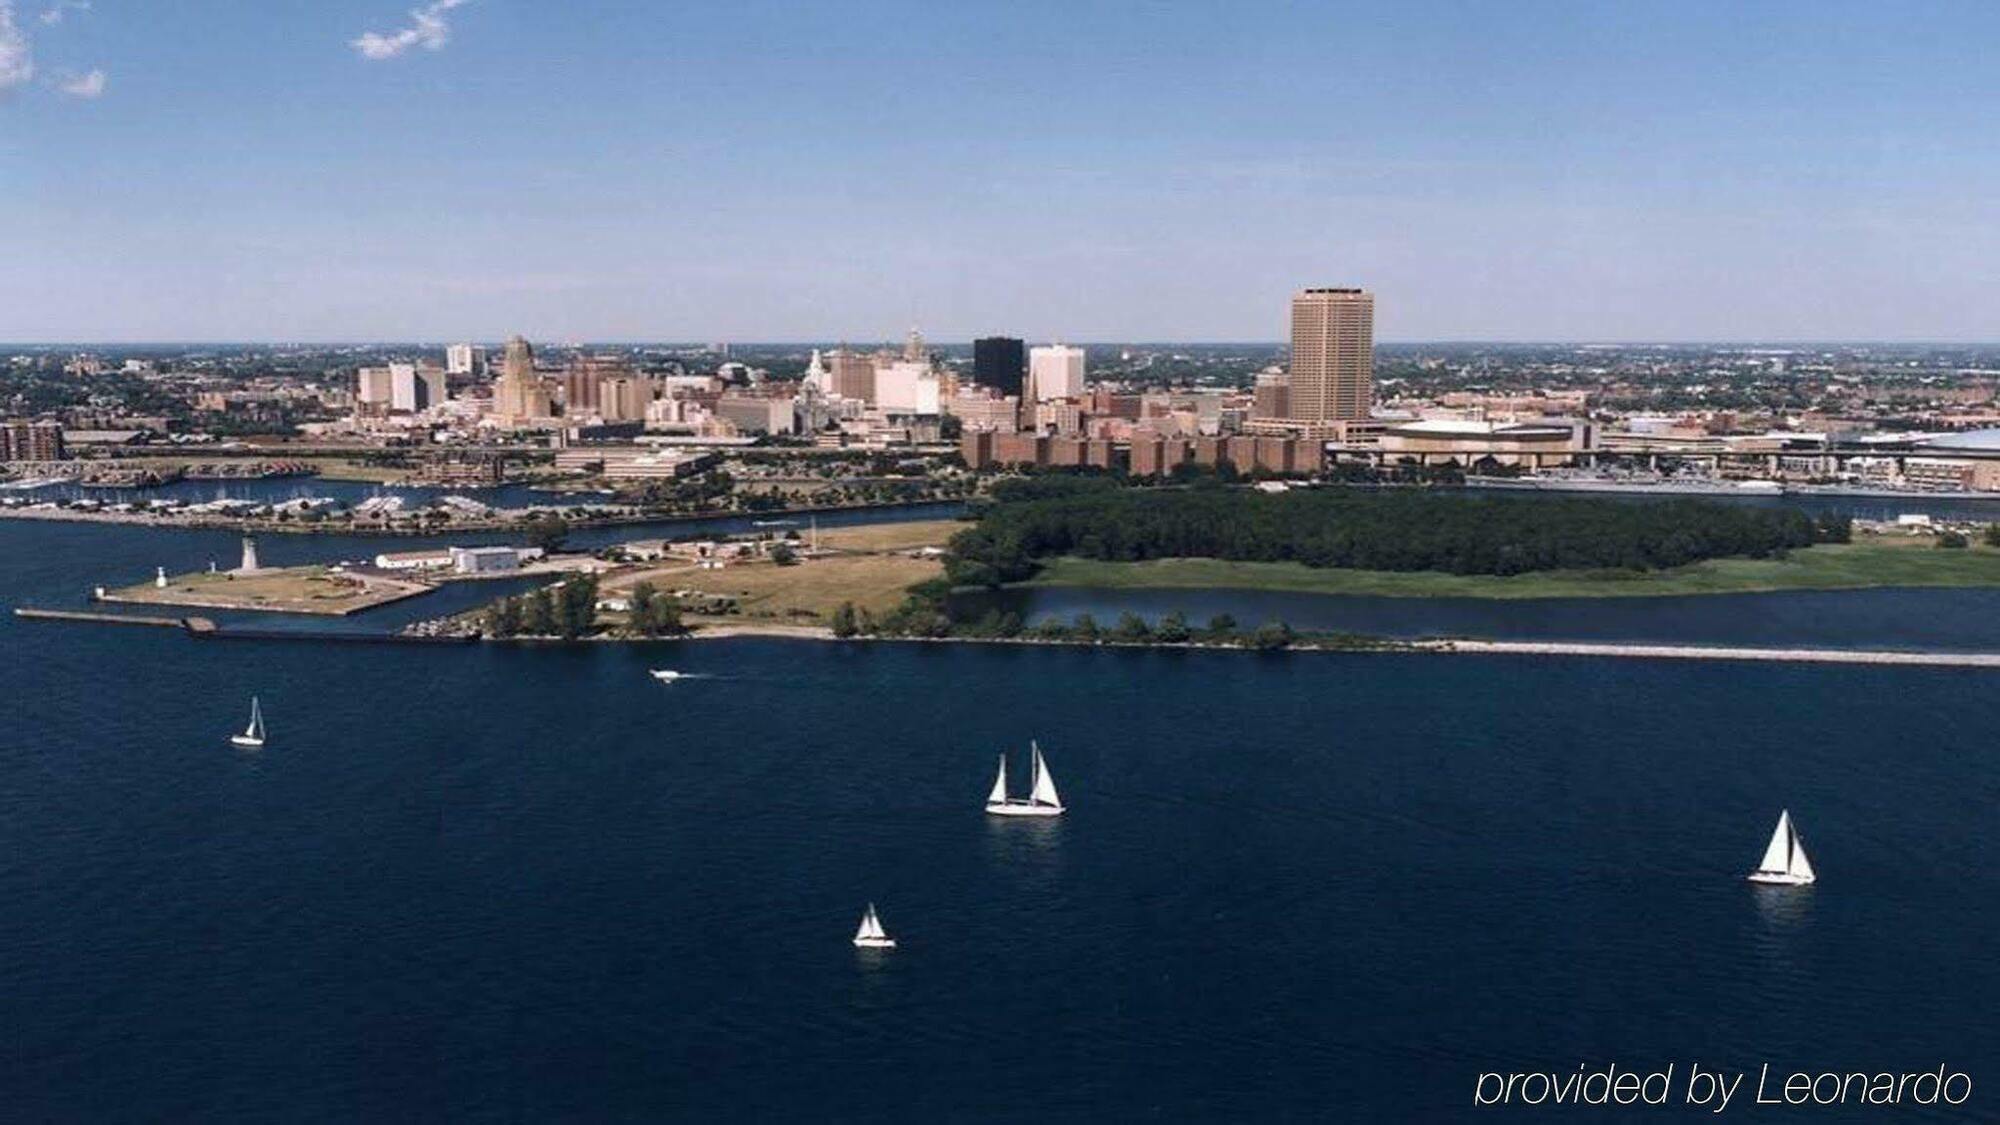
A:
(1784, 863)
(253, 735)
(1042, 799)
(871, 935)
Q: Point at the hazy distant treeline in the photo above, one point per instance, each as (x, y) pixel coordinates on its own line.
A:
(1399, 530)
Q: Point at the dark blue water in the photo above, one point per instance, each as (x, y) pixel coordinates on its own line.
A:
(525, 884)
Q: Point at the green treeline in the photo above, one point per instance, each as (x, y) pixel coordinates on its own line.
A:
(1398, 530)
(568, 611)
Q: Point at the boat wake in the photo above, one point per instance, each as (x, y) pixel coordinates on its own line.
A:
(670, 676)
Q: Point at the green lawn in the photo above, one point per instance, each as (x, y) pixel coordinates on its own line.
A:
(1900, 562)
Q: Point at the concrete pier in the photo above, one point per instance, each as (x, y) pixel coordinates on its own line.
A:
(1716, 652)
(100, 618)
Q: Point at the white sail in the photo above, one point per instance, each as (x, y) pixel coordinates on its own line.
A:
(999, 794)
(871, 926)
(253, 735)
(1045, 785)
(1800, 867)
(1778, 855)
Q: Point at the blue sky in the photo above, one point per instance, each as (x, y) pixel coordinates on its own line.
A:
(1094, 171)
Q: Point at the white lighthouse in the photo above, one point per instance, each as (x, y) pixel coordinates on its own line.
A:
(249, 556)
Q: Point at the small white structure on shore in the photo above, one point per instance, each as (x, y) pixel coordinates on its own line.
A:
(249, 556)
(491, 560)
(462, 560)
(160, 577)
(414, 560)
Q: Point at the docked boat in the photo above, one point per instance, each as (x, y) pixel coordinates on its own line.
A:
(871, 935)
(1784, 863)
(1042, 798)
(253, 735)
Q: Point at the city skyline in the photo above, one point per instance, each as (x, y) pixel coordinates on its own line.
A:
(362, 172)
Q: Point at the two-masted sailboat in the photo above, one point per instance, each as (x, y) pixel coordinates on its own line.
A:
(1784, 863)
(871, 935)
(1042, 798)
(253, 735)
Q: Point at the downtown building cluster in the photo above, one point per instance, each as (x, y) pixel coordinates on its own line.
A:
(1281, 428)
(1852, 416)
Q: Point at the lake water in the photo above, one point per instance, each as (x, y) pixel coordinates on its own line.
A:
(527, 883)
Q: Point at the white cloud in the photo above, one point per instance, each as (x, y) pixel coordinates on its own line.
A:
(427, 29)
(89, 85)
(17, 62)
(54, 14)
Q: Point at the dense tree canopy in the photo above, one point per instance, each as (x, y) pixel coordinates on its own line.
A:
(1365, 529)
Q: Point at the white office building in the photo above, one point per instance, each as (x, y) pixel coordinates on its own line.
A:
(464, 359)
(907, 387)
(1055, 371)
(414, 388)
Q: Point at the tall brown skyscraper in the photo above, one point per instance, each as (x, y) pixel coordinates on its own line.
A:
(1333, 355)
(519, 394)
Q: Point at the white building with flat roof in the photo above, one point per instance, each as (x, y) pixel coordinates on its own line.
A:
(415, 388)
(1055, 371)
(464, 359)
(414, 560)
(491, 560)
(907, 387)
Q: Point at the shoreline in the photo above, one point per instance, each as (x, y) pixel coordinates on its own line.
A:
(1713, 652)
(1428, 647)
(1437, 647)
(454, 527)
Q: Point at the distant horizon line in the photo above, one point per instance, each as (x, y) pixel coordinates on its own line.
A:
(1468, 341)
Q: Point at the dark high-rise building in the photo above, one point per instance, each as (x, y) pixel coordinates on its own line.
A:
(999, 362)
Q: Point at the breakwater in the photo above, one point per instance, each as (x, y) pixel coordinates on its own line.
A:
(1714, 652)
(1307, 644)
(203, 628)
(317, 636)
(208, 630)
(99, 618)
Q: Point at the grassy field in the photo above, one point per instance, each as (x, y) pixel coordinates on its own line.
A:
(342, 469)
(1883, 562)
(889, 536)
(306, 589)
(807, 593)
